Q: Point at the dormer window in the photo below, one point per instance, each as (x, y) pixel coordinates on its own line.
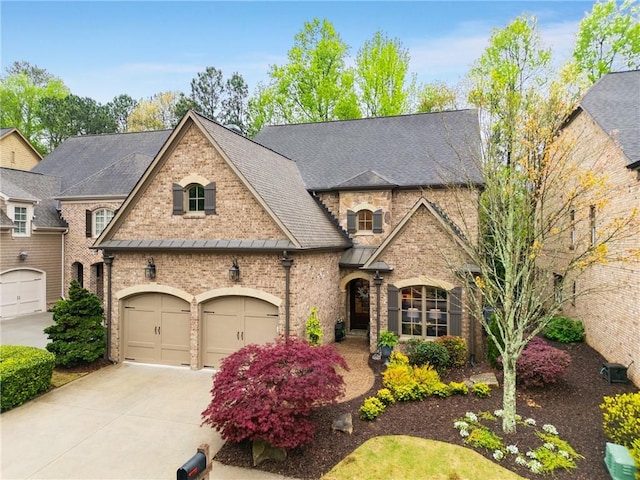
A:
(365, 220)
(20, 221)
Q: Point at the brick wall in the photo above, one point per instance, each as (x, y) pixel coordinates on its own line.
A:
(608, 302)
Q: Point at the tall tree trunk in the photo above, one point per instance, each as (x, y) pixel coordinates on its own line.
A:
(509, 394)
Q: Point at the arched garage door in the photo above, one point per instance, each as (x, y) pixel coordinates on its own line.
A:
(22, 292)
(230, 323)
(157, 329)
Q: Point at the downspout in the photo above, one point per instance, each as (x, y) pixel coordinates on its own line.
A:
(64, 262)
(377, 281)
(107, 258)
(286, 263)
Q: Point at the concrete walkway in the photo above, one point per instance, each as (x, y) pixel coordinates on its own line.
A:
(125, 421)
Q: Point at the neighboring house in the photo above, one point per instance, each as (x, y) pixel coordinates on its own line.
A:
(224, 242)
(16, 151)
(607, 128)
(97, 173)
(31, 236)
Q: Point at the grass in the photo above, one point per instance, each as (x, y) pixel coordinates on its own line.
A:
(400, 456)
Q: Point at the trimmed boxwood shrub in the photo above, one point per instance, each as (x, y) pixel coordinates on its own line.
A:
(564, 330)
(457, 349)
(432, 353)
(24, 373)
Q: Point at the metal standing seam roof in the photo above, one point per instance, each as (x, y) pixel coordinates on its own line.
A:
(203, 245)
(278, 182)
(614, 103)
(37, 188)
(426, 149)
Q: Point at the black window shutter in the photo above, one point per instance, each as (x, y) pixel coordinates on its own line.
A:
(88, 215)
(210, 199)
(377, 221)
(392, 309)
(455, 312)
(351, 221)
(178, 199)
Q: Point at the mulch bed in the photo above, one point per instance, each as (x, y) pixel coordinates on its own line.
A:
(571, 405)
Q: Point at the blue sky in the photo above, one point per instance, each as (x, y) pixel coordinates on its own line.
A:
(103, 49)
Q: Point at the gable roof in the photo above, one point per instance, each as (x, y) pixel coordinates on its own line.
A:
(425, 149)
(274, 181)
(7, 131)
(614, 103)
(80, 157)
(448, 225)
(21, 185)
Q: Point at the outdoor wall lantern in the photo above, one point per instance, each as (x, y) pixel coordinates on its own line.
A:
(23, 256)
(234, 271)
(150, 269)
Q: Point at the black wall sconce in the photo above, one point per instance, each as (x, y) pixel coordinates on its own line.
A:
(23, 256)
(150, 269)
(234, 271)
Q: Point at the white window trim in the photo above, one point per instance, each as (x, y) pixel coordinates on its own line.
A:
(11, 207)
(94, 228)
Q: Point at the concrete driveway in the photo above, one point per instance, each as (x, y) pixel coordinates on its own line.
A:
(125, 421)
(26, 330)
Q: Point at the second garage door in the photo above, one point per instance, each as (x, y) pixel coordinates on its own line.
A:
(157, 329)
(229, 323)
(22, 292)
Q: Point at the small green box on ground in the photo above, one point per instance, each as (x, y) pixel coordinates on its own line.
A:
(619, 462)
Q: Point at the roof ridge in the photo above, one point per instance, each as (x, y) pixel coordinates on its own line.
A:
(332, 217)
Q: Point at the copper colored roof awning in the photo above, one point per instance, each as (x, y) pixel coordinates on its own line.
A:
(203, 245)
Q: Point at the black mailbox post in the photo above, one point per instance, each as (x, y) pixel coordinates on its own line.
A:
(193, 468)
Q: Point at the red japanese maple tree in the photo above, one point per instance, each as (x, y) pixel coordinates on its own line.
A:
(267, 392)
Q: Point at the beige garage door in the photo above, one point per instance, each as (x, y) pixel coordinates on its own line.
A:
(229, 323)
(157, 329)
(22, 292)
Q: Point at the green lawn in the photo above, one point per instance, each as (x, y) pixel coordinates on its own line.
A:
(403, 457)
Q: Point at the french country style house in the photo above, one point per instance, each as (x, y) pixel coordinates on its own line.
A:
(226, 241)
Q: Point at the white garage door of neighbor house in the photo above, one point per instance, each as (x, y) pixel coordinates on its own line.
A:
(22, 292)
(157, 329)
(230, 323)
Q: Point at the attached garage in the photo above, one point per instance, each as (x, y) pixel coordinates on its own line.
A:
(22, 291)
(157, 329)
(230, 323)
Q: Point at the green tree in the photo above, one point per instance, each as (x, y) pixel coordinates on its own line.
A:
(314, 86)
(73, 115)
(21, 91)
(437, 97)
(77, 335)
(505, 78)
(121, 108)
(234, 105)
(382, 67)
(157, 113)
(608, 39)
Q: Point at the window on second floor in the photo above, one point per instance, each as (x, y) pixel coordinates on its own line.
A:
(572, 227)
(364, 221)
(97, 221)
(592, 224)
(194, 198)
(20, 222)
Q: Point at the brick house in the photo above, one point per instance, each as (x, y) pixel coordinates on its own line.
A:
(31, 236)
(607, 128)
(351, 217)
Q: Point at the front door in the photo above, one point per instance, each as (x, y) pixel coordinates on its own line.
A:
(359, 304)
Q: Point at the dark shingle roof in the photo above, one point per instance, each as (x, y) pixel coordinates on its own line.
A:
(614, 103)
(38, 188)
(118, 179)
(77, 158)
(406, 150)
(278, 182)
(5, 221)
